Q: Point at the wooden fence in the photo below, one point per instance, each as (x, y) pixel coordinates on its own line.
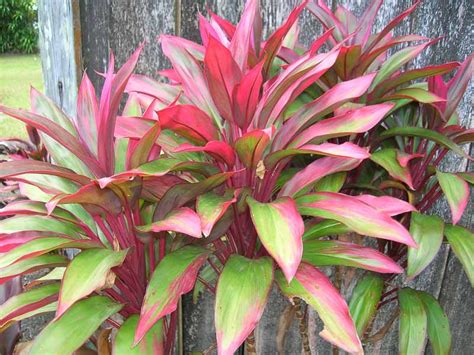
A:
(77, 35)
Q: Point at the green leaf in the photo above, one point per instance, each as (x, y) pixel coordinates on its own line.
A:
(42, 246)
(439, 332)
(211, 207)
(335, 252)
(280, 228)
(364, 300)
(152, 343)
(456, 191)
(462, 242)
(423, 133)
(30, 265)
(331, 183)
(324, 228)
(174, 276)
(393, 63)
(87, 272)
(387, 158)
(242, 293)
(427, 231)
(413, 323)
(39, 224)
(16, 307)
(66, 334)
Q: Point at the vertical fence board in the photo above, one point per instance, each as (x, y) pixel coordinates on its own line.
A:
(56, 38)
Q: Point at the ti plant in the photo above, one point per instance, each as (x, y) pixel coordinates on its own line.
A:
(254, 165)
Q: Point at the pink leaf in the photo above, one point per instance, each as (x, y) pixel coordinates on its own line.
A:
(387, 204)
(241, 41)
(222, 74)
(182, 220)
(315, 171)
(357, 121)
(190, 122)
(218, 149)
(357, 215)
(336, 96)
(111, 95)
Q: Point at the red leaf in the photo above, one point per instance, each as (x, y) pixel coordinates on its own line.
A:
(246, 96)
(190, 122)
(222, 74)
(315, 171)
(218, 149)
(182, 220)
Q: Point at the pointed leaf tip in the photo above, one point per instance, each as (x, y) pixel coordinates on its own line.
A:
(280, 228)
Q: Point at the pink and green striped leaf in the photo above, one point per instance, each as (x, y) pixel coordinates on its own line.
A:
(152, 343)
(333, 252)
(15, 168)
(396, 61)
(413, 323)
(175, 275)
(355, 214)
(182, 220)
(240, 45)
(87, 118)
(39, 224)
(26, 266)
(427, 231)
(456, 190)
(241, 296)
(462, 243)
(334, 97)
(315, 171)
(16, 307)
(87, 272)
(345, 150)
(66, 334)
(189, 71)
(111, 96)
(60, 135)
(210, 207)
(356, 121)
(280, 228)
(364, 301)
(316, 290)
(40, 246)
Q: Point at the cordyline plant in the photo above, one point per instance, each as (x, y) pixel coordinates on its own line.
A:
(257, 163)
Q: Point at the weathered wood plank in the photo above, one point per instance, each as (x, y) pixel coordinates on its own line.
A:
(121, 25)
(58, 60)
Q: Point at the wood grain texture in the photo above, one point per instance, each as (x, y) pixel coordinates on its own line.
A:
(121, 25)
(56, 38)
